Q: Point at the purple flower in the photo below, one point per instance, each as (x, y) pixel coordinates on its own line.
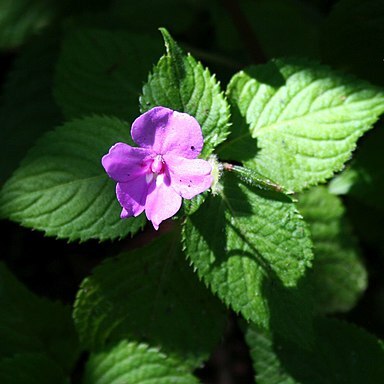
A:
(164, 168)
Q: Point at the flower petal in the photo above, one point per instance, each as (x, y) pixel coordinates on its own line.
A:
(132, 196)
(166, 131)
(189, 177)
(162, 201)
(124, 163)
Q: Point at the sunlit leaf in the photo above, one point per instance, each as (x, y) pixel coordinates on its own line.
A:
(181, 83)
(305, 120)
(61, 187)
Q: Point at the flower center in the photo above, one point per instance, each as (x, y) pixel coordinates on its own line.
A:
(157, 164)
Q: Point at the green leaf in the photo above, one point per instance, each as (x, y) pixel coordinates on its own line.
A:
(22, 18)
(306, 119)
(181, 83)
(342, 354)
(364, 177)
(30, 324)
(134, 364)
(339, 276)
(102, 72)
(266, 364)
(32, 369)
(192, 205)
(16, 338)
(28, 108)
(150, 294)
(61, 187)
(252, 248)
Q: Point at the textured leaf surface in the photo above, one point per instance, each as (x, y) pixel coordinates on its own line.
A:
(135, 364)
(339, 276)
(252, 248)
(266, 364)
(306, 119)
(102, 72)
(150, 294)
(27, 105)
(342, 354)
(61, 187)
(32, 369)
(30, 324)
(179, 82)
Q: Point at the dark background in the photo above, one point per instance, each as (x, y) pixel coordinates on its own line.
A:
(348, 36)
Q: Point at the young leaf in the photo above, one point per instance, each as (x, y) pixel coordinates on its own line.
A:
(31, 368)
(28, 108)
(150, 294)
(30, 324)
(61, 187)
(179, 82)
(339, 276)
(102, 72)
(135, 363)
(306, 119)
(342, 354)
(252, 248)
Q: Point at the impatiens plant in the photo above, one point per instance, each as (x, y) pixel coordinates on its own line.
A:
(183, 216)
(164, 169)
